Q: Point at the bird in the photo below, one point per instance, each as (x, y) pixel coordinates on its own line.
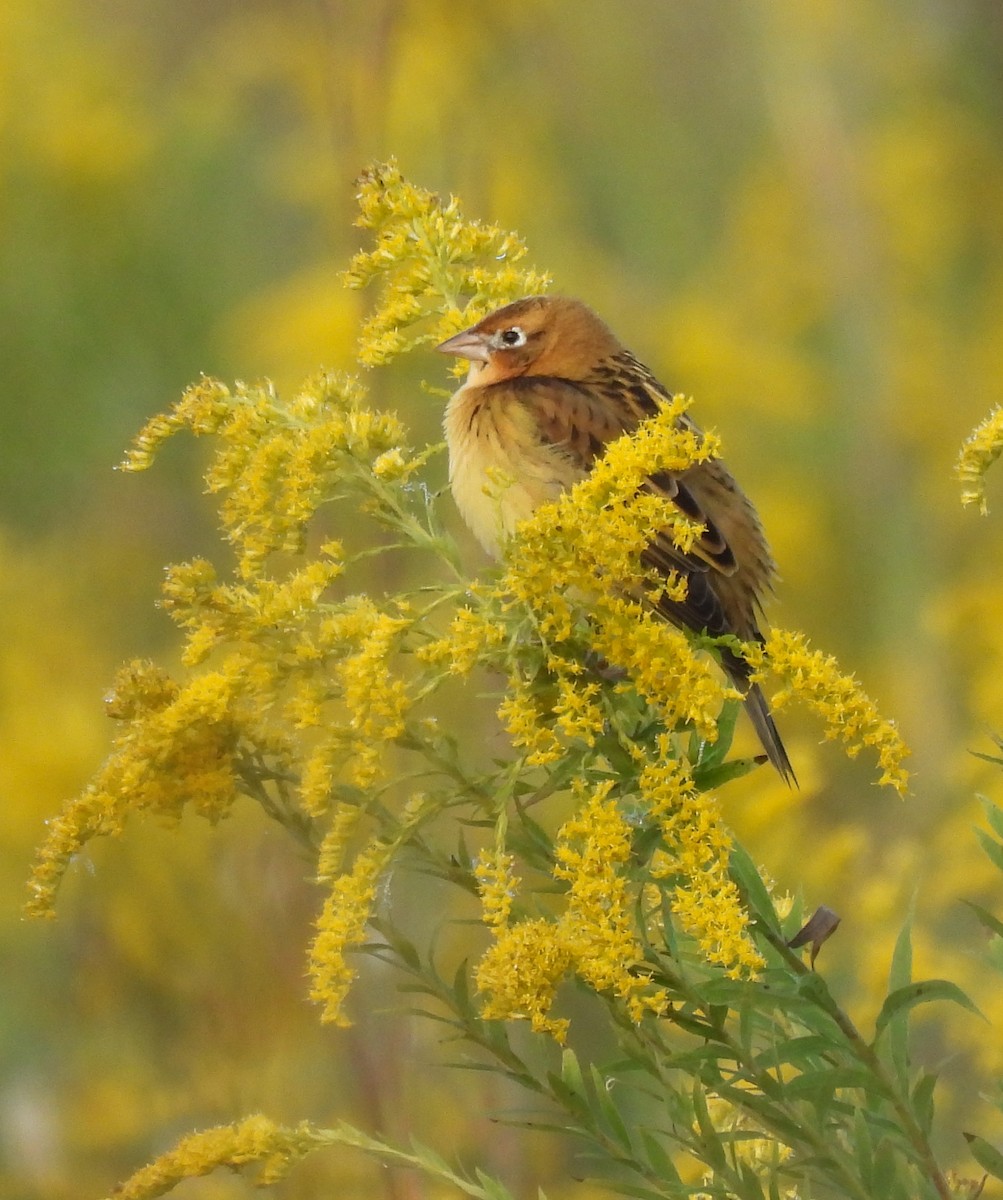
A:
(549, 386)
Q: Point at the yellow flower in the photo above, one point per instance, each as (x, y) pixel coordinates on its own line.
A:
(341, 927)
(471, 636)
(277, 462)
(391, 464)
(522, 716)
(849, 714)
(980, 450)
(497, 884)
(430, 260)
(578, 715)
(592, 853)
(255, 1140)
(595, 937)
(376, 698)
(520, 973)
(695, 858)
(177, 747)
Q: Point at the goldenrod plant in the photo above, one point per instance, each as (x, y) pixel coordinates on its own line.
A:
(596, 845)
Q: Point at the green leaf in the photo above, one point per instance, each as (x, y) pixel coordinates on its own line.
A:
(988, 1157)
(885, 1168)
(601, 1088)
(534, 1125)
(705, 754)
(661, 1163)
(461, 993)
(709, 1138)
(827, 1081)
(569, 1087)
(986, 918)
(900, 977)
(795, 1052)
(704, 1060)
(814, 991)
(430, 1159)
(767, 1111)
(534, 831)
(994, 814)
(751, 1186)
(404, 949)
(571, 1074)
(993, 849)
(624, 1188)
(743, 871)
(493, 1188)
(708, 779)
(925, 992)
(863, 1146)
(695, 1025)
(748, 1027)
(922, 1101)
(461, 855)
(724, 994)
(646, 840)
(991, 758)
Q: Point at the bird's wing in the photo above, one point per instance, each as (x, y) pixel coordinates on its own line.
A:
(579, 419)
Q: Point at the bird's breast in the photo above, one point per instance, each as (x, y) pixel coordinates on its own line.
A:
(500, 467)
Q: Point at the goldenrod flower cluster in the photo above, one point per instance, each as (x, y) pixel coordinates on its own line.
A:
(276, 462)
(595, 937)
(979, 451)
(294, 692)
(693, 861)
(849, 714)
(341, 927)
(177, 746)
(438, 271)
(257, 1141)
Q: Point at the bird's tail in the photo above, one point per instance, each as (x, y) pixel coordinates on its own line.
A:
(762, 720)
(759, 713)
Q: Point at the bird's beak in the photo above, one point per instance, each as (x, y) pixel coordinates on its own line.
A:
(468, 344)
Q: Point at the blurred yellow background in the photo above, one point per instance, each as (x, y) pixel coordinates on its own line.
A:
(792, 211)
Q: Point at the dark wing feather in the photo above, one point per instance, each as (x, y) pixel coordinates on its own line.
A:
(580, 418)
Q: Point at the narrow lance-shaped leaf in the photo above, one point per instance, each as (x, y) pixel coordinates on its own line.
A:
(602, 1089)
(922, 1101)
(986, 918)
(924, 992)
(992, 848)
(900, 978)
(988, 1157)
(994, 814)
(745, 874)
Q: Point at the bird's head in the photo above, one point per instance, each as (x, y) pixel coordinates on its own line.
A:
(541, 335)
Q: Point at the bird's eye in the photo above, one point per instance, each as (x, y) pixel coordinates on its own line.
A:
(510, 338)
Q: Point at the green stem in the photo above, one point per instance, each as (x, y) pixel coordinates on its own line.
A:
(255, 775)
(866, 1055)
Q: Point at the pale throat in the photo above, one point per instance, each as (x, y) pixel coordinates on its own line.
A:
(500, 470)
